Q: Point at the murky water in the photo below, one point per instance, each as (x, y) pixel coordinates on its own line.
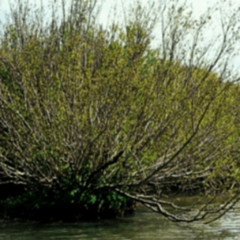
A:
(141, 225)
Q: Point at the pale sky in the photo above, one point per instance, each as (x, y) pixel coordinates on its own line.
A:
(198, 6)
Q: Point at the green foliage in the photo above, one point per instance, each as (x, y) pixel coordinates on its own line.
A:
(70, 202)
(87, 113)
(4, 74)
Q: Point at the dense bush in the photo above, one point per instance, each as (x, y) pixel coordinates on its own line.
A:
(94, 120)
(70, 202)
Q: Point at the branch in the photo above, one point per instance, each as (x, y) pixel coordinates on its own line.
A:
(104, 166)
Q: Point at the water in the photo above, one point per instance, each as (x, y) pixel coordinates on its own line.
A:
(143, 224)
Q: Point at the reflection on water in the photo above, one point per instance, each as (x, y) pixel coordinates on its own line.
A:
(142, 225)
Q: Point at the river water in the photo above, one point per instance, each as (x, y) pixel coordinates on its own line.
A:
(143, 224)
